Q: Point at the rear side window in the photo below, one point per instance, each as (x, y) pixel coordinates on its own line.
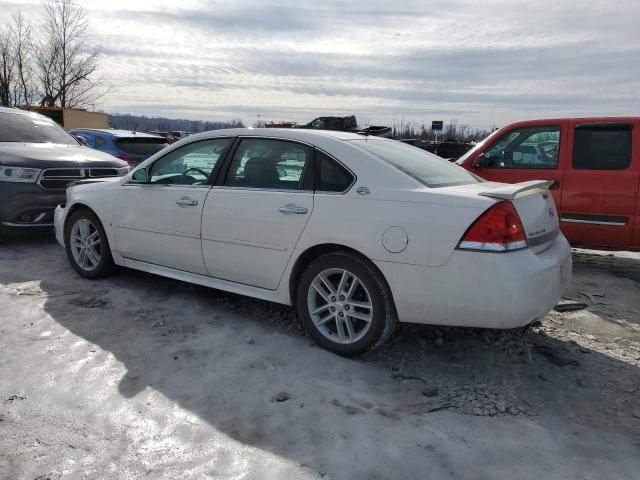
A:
(602, 147)
(270, 164)
(425, 167)
(330, 176)
(141, 145)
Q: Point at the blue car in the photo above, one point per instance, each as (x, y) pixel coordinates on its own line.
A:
(132, 147)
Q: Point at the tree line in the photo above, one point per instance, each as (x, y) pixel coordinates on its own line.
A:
(453, 131)
(50, 62)
(143, 123)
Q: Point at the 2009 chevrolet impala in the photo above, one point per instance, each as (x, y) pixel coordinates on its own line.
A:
(357, 232)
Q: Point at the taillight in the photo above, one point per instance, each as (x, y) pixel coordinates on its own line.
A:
(498, 229)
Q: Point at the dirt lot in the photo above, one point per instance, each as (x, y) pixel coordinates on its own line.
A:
(143, 377)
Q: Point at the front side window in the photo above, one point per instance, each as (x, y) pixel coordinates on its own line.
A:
(602, 147)
(527, 147)
(32, 128)
(100, 142)
(192, 164)
(425, 167)
(270, 164)
(330, 176)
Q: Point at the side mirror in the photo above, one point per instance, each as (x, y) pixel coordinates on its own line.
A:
(140, 176)
(81, 140)
(480, 161)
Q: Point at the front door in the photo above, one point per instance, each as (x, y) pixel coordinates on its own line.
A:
(158, 221)
(600, 188)
(252, 222)
(525, 153)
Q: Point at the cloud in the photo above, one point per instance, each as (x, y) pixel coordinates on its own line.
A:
(287, 59)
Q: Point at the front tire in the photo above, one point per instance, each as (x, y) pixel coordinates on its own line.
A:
(87, 245)
(345, 304)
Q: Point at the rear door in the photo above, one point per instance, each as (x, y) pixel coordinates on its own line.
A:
(252, 221)
(600, 188)
(530, 152)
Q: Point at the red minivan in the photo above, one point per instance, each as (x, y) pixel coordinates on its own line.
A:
(594, 164)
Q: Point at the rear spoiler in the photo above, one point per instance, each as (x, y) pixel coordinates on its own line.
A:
(510, 192)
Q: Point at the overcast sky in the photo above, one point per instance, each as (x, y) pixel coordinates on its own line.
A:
(474, 61)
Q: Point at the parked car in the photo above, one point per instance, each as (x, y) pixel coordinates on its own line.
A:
(594, 164)
(130, 146)
(180, 134)
(37, 160)
(357, 232)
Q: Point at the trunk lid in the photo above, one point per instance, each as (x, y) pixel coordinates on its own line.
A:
(535, 206)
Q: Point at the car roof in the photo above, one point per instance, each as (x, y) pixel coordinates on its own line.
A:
(301, 134)
(116, 133)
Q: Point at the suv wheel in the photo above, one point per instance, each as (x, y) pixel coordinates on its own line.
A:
(345, 304)
(87, 245)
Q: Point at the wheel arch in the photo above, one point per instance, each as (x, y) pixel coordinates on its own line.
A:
(312, 253)
(77, 207)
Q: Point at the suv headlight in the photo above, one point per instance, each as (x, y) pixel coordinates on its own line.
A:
(122, 171)
(18, 174)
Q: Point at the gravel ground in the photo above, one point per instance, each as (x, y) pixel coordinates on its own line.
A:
(137, 376)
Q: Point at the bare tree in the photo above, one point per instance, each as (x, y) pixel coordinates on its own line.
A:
(7, 66)
(25, 88)
(66, 65)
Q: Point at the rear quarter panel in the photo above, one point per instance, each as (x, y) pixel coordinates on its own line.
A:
(433, 229)
(434, 220)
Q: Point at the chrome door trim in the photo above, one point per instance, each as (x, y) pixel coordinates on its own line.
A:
(257, 189)
(233, 241)
(594, 222)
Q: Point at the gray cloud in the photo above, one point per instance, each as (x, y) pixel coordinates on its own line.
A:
(292, 59)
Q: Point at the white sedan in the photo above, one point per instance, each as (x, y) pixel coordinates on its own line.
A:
(357, 232)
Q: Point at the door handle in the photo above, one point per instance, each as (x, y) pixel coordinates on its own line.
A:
(187, 202)
(287, 209)
(555, 185)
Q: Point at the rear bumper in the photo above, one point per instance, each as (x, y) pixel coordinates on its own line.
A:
(27, 205)
(482, 289)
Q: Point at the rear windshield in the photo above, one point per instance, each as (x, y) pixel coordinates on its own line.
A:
(427, 168)
(141, 145)
(32, 128)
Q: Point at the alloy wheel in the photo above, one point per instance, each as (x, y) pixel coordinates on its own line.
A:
(340, 305)
(86, 244)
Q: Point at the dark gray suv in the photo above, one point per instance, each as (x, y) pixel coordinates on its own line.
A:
(38, 159)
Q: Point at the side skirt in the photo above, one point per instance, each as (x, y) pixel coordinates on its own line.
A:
(249, 291)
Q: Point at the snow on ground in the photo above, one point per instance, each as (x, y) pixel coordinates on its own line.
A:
(139, 376)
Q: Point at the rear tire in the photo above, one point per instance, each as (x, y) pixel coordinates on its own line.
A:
(345, 305)
(87, 245)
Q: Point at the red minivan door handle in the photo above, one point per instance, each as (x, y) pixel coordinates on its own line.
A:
(555, 185)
